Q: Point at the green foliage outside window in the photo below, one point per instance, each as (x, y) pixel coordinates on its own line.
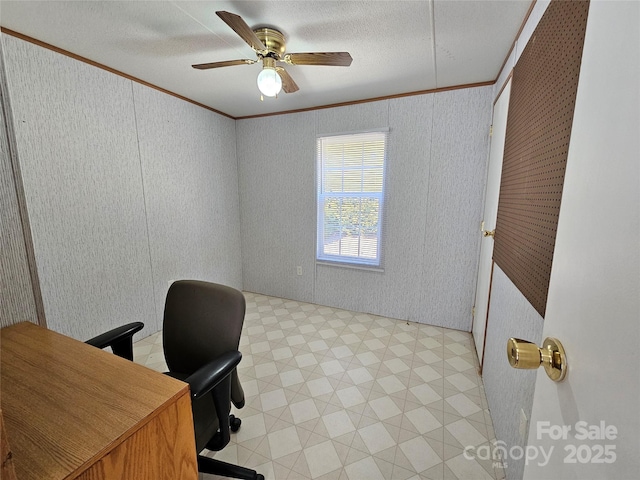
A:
(351, 217)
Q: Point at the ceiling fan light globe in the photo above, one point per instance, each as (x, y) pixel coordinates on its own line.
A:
(269, 82)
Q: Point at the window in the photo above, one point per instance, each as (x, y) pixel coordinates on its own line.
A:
(350, 195)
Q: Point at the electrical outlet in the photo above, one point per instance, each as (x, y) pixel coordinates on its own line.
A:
(299, 270)
(523, 425)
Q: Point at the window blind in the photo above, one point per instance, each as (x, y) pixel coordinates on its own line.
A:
(350, 196)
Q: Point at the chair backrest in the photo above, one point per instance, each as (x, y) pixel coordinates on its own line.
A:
(202, 320)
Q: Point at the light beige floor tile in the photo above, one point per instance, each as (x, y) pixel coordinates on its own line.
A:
(350, 396)
(425, 394)
(273, 399)
(423, 420)
(338, 423)
(322, 459)
(391, 384)
(364, 469)
(376, 438)
(420, 454)
(465, 433)
(338, 395)
(360, 375)
(304, 411)
(384, 408)
(319, 386)
(467, 469)
(463, 405)
(284, 442)
(332, 367)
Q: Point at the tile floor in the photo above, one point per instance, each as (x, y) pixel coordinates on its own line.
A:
(334, 394)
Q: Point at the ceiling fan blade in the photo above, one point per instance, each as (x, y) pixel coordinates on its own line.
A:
(228, 63)
(288, 85)
(239, 26)
(336, 59)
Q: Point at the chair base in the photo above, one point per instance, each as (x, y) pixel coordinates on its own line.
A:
(224, 469)
(234, 423)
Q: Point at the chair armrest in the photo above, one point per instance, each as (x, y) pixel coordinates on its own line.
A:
(207, 377)
(120, 339)
(215, 378)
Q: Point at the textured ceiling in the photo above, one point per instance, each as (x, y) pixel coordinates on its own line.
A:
(397, 46)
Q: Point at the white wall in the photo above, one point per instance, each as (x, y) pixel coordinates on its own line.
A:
(17, 301)
(128, 189)
(594, 289)
(510, 391)
(436, 170)
(278, 229)
(190, 179)
(119, 181)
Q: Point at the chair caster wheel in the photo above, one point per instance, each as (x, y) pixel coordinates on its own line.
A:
(234, 424)
(259, 477)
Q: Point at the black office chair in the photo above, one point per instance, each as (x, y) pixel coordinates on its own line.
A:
(200, 335)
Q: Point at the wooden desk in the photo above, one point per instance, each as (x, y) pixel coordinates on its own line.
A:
(72, 411)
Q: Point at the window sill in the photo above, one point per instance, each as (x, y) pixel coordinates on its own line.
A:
(352, 266)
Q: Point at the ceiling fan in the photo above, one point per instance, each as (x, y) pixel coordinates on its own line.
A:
(270, 46)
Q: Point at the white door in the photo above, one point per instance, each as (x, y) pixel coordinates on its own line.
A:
(591, 420)
(492, 192)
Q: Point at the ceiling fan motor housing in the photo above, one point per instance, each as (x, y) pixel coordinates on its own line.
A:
(273, 40)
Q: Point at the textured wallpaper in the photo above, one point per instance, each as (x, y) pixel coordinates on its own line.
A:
(437, 158)
(77, 147)
(129, 189)
(190, 182)
(509, 390)
(276, 158)
(126, 189)
(510, 315)
(392, 292)
(457, 175)
(17, 302)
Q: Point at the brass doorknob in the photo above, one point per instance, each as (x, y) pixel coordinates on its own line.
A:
(527, 355)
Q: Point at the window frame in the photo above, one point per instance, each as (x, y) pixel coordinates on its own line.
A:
(350, 261)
